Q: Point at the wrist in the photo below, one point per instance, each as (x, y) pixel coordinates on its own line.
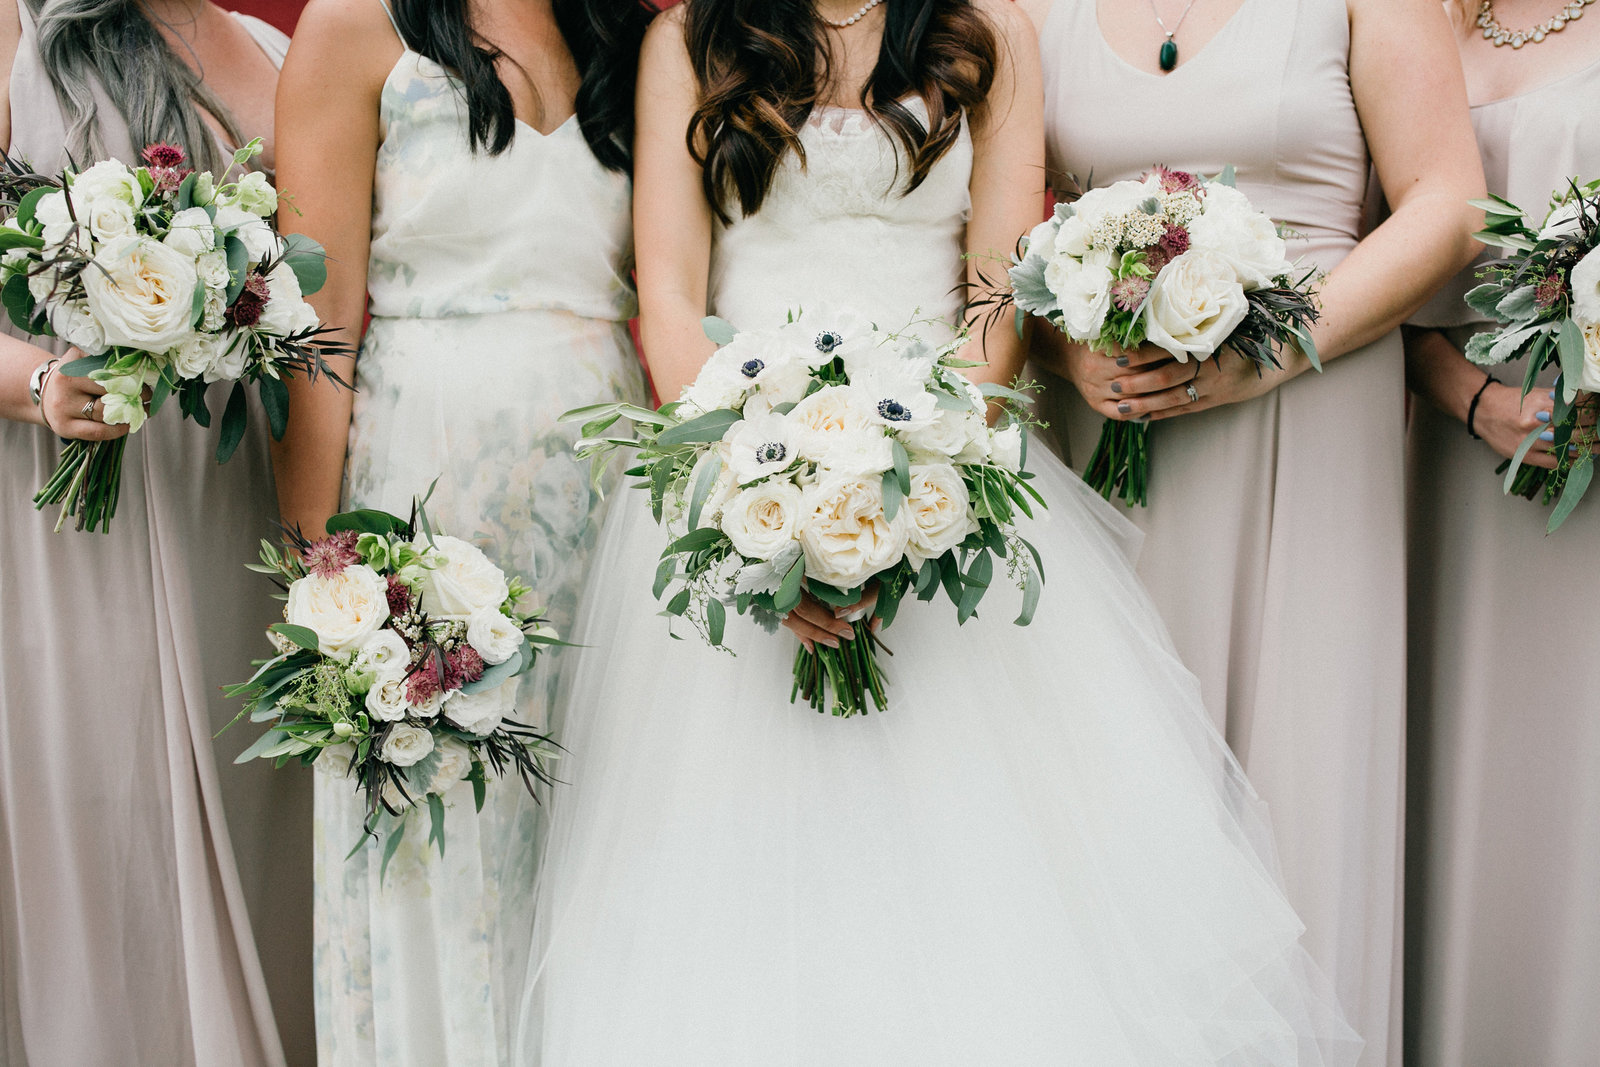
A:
(38, 383)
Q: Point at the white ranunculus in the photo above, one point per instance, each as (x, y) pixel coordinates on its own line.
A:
(212, 269)
(1585, 280)
(492, 635)
(384, 654)
(335, 760)
(762, 446)
(857, 453)
(1590, 380)
(231, 358)
(344, 609)
(1195, 303)
(406, 745)
(195, 355)
(460, 580)
(192, 234)
(480, 712)
(453, 764)
(142, 293)
(109, 219)
(844, 534)
(51, 213)
(1005, 446)
(825, 414)
(386, 700)
(1244, 237)
(75, 324)
(286, 312)
(940, 509)
(762, 521)
(1084, 292)
(109, 179)
(259, 240)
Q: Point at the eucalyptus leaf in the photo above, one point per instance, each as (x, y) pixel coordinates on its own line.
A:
(891, 495)
(703, 483)
(303, 636)
(275, 401)
(902, 465)
(496, 674)
(1517, 456)
(82, 368)
(708, 427)
(716, 620)
(308, 261)
(1570, 345)
(720, 331)
(1578, 479)
(788, 594)
(679, 603)
(233, 424)
(266, 741)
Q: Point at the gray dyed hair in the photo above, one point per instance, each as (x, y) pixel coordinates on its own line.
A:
(115, 43)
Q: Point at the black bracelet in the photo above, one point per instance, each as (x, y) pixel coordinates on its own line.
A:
(1472, 408)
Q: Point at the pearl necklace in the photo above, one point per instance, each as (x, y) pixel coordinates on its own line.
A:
(1493, 31)
(869, 5)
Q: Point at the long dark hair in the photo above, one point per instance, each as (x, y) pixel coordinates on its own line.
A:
(603, 36)
(761, 68)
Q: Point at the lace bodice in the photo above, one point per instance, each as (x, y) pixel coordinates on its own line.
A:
(835, 230)
(457, 232)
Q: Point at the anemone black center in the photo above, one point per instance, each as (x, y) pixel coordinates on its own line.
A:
(827, 341)
(752, 367)
(772, 452)
(894, 411)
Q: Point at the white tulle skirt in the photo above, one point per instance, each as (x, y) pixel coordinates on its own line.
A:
(1042, 853)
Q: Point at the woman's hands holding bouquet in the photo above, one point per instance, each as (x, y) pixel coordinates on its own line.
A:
(72, 408)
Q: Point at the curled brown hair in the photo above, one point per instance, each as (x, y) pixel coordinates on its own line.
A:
(761, 69)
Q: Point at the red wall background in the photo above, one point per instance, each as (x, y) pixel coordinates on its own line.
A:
(281, 13)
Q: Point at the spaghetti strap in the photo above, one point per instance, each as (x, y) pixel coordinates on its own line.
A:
(388, 11)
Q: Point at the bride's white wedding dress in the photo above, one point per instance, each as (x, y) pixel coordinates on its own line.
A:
(1042, 853)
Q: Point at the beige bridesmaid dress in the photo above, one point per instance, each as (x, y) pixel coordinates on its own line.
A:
(1503, 854)
(1275, 527)
(125, 916)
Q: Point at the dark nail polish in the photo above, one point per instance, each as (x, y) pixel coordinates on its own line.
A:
(1116, 387)
(1124, 408)
(1122, 361)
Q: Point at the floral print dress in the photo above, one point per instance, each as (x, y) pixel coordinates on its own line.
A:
(499, 298)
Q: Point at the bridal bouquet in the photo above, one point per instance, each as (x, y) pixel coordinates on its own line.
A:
(828, 455)
(1547, 296)
(167, 280)
(1177, 260)
(397, 665)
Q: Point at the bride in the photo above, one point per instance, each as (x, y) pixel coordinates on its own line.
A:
(1042, 852)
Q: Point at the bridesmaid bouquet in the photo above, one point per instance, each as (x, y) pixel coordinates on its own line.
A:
(167, 280)
(1175, 259)
(397, 665)
(1546, 294)
(828, 455)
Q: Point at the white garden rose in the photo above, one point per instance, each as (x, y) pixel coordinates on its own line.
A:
(856, 452)
(940, 509)
(461, 579)
(480, 712)
(192, 234)
(51, 213)
(259, 240)
(1005, 447)
(286, 312)
(142, 293)
(1243, 236)
(195, 355)
(384, 654)
(109, 179)
(75, 324)
(335, 760)
(406, 745)
(109, 219)
(212, 269)
(1195, 303)
(230, 361)
(428, 706)
(453, 764)
(950, 435)
(762, 521)
(844, 534)
(386, 700)
(343, 609)
(1084, 292)
(826, 413)
(762, 446)
(492, 635)
(1585, 281)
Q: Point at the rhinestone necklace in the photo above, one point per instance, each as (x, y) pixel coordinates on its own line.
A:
(1167, 58)
(1493, 31)
(870, 4)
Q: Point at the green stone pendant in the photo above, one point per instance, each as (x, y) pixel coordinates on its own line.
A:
(1169, 55)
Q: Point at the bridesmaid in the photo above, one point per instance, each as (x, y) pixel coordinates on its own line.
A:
(1502, 932)
(466, 166)
(1275, 522)
(125, 934)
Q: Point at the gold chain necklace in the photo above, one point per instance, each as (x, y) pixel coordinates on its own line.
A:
(1493, 31)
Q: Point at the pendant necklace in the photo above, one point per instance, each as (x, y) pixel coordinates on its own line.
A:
(1168, 56)
(853, 19)
(1499, 35)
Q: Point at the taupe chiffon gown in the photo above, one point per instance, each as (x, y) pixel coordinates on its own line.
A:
(1275, 527)
(125, 932)
(1503, 853)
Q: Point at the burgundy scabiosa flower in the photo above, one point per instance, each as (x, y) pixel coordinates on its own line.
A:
(252, 300)
(1550, 291)
(399, 596)
(1128, 293)
(162, 154)
(422, 684)
(329, 556)
(1173, 243)
(462, 666)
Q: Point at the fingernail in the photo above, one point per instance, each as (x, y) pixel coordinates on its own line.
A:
(1124, 408)
(1548, 435)
(1116, 387)
(1122, 361)
(1552, 394)
(1543, 416)
(832, 642)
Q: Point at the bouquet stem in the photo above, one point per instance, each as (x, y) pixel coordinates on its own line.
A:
(86, 483)
(851, 671)
(1120, 464)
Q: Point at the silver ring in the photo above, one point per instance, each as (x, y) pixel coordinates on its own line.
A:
(1194, 394)
(88, 409)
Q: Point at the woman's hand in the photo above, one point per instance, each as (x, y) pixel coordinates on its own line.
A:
(1505, 418)
(71, 408)
(815, 623)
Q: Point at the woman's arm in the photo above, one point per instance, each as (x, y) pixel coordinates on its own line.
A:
(671, 219)
(1008, 182)
(327, 130)
(1438, 372)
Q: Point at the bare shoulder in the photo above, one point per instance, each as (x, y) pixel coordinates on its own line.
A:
(352, 36)
(1011, 22)
(1036, 10)
(665, 54)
